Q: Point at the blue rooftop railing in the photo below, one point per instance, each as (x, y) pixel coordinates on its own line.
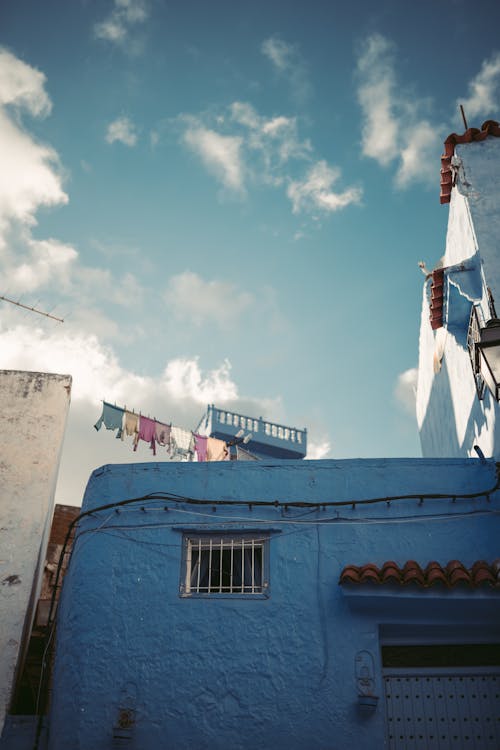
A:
(263, 431)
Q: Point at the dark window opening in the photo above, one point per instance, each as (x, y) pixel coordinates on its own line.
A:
(449, 655)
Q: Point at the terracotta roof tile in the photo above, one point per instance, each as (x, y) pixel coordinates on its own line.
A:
(490, 127)
(452, 574)
(437, 299)
(390, 573)
(412, 573)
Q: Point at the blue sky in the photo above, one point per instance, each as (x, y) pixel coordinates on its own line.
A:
(227, 202)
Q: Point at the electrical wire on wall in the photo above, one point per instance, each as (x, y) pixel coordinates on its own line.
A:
(184, 500)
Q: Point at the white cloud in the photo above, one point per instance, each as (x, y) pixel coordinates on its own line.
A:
(221, 155)
(244, 114)
(22, 85)
(278, 51)
(117, 26)
(134, 11)
(418, 154)
(49, 261)
(261, 151)
(288, 62)
(101, 284)
(314, 191)
(318, 449)
(275, 138)
(394, 130)
(406, 389)
(197, 301)
(183, 379)
(30, 175)
(375, 95)
(97, 372)
(122, 130)
(483, 97)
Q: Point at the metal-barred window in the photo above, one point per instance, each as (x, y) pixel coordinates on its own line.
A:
(225, 564)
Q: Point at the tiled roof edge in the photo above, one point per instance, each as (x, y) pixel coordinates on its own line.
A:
(489, 127)
(452, 574)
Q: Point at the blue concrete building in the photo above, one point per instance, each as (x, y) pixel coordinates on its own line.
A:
(322, 605)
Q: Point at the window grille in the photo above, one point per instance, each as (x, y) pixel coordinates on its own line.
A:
(225, 565)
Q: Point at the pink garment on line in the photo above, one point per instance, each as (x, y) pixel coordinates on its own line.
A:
(147, 431)
(200, 446)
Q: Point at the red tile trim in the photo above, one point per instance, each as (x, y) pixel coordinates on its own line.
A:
(437, 299)
(489, 127)
(452, 574)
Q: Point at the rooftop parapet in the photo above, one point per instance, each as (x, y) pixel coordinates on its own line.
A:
(268, 439)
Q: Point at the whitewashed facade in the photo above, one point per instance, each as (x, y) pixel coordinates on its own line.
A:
(33, 408)
(452, 417)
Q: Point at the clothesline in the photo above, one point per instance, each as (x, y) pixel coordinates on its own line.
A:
(179, 443)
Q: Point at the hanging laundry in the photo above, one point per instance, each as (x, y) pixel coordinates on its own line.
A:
(182, 443)
(216, 450)
(130, 424)
(162, 434)
(200, 446)
(112, 418)
(147, 431)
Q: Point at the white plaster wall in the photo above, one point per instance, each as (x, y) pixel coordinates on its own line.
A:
(33, 411)
(461, 242)
(450, 417)
(479, 182)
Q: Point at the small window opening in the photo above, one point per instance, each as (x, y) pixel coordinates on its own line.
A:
(225, 565)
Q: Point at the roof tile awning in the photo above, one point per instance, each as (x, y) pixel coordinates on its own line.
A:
(490, 127)
(453, 574)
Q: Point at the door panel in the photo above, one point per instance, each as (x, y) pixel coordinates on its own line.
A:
(443, 709)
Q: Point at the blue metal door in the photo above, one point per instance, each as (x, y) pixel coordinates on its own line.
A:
(446, 709)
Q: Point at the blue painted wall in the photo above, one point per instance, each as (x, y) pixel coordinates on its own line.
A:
(276, 672)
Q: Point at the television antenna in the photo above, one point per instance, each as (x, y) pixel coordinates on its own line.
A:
(31, 309)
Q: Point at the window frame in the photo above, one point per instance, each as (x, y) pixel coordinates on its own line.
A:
(225, 541)
(474, 338)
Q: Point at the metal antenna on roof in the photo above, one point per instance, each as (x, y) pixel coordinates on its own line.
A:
(31, 309)
(463, 117)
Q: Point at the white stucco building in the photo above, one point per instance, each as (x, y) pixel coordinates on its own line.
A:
(33, 408)
(457, 407)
